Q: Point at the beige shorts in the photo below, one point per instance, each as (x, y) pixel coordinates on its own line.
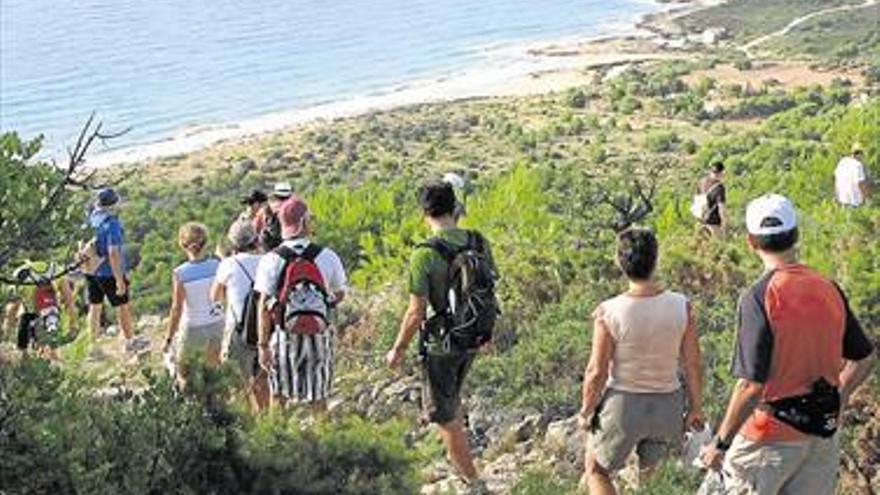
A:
(196, 342)
(652, 424)
(236, 351)
(807, 467)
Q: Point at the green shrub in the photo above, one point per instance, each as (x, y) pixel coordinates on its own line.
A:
(662, 141)
(576, 98)
(58, 434)
(543, 482)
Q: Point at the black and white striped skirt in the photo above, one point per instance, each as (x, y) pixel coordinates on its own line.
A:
(303, 365)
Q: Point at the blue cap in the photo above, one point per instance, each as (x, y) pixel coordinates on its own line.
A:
(106, 197)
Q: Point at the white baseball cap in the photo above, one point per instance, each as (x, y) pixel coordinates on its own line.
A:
(282, 190)
(454, 180)
(770, 214)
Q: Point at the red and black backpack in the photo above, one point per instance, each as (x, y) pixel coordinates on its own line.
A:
(304, 304)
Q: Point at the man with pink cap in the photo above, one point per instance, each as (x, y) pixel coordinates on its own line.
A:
(300, 283)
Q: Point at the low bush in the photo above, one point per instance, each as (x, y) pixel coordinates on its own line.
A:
(61, 434)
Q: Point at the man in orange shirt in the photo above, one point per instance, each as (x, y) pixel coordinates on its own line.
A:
(800, 353)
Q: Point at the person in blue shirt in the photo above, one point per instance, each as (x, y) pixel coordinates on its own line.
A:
(110, 279)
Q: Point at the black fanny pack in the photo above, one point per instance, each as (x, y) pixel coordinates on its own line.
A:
(815, 413)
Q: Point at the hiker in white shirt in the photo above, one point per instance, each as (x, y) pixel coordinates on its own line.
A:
(232, 286)
(299, 360)
(851, 183)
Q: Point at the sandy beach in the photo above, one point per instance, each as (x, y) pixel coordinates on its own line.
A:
(519, 70)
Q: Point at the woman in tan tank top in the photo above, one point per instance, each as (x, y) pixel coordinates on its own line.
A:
(632, 395)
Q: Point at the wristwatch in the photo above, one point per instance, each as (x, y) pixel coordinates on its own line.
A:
(720, 444)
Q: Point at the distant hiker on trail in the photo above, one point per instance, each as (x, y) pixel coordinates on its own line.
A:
(234, 287)
(255, 202)
(110, 277)
(633, 398)
(461, 323)
(267, 223)
(193, 314)
(800, 354)
(851, 183)
(708, 205)
(300, 284)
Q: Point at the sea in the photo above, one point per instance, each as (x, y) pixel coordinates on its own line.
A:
(180, 74)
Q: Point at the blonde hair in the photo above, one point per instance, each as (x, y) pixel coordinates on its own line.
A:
(193, 237)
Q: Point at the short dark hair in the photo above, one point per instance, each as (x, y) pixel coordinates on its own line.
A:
(437, 199)
(718, 167)
(777, 243)
(637, 253)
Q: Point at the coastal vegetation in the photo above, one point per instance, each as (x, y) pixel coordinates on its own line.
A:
(746, 20)
(547, 176)
(836, 38)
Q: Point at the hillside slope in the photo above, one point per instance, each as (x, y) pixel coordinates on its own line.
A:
(541, 171)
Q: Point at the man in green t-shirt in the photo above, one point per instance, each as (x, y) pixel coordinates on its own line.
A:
(444, 367)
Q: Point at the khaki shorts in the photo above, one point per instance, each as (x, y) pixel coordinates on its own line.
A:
(652, 424)
(236, 351)
(196, 342)
(807, 467)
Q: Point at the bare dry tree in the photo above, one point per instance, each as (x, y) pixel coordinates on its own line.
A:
(627, 188)
(630, 206)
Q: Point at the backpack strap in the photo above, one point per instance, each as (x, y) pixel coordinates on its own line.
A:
(244, 270)
(289, 254)
(441, 247)
(312, 251)
(251, 279)
(476, 241)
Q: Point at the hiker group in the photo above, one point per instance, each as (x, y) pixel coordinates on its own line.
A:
(268, 307)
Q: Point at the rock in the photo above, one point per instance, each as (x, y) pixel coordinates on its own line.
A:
(276, 160)
(242, 167)
(335, 404)
(149, 322)
(444, 487)
(527, 428)
(566, 441)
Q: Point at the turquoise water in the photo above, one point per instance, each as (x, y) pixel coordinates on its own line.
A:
(159, 66)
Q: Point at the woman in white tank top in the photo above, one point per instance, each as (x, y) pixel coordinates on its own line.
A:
(643, 340)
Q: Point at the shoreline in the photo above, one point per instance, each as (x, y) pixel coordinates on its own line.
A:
(527, 68)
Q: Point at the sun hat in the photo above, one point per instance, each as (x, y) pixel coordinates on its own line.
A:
(282, 190)
(292, 215)
(857, 148)
(256, 196)
(242, 234)
(106, 197)
(770, 214)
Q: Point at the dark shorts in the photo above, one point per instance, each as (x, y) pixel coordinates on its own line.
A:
(443, 377)
(98, 288)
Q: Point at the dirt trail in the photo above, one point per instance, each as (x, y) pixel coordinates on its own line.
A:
(793, 24)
